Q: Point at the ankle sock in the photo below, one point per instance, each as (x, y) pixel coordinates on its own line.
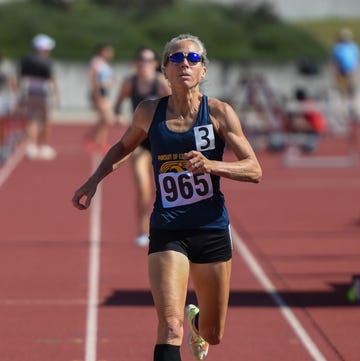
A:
(166, 352)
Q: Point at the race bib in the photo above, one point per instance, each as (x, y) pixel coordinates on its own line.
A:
(178, 189)
(204, 137)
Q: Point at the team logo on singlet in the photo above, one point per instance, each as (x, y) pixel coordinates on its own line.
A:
(173, 166)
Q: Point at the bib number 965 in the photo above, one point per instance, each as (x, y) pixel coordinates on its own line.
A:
(183, 188)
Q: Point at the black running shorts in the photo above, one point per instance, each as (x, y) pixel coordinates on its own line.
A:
(200, 245)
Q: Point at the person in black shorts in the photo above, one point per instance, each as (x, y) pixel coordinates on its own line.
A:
(38, 91)
(145, 83)
(189, 224)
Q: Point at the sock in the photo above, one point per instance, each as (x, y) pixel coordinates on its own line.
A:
(165, 352)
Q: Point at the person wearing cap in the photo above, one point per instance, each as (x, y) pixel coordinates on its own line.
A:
(37, 87)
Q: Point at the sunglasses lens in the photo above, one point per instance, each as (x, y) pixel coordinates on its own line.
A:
(194, 57)
(177, 57)
(191, 57)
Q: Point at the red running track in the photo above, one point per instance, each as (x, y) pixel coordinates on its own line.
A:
(296, 247)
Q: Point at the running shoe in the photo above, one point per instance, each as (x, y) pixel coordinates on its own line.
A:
(32, 151)
(46, 152)
(93, 147)
(197, 345)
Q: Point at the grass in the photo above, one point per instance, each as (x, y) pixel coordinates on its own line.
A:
(325, 30)
(230, 34)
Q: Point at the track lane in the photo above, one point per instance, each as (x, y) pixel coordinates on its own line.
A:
(45, 249)
(305, 232)
(43, 257)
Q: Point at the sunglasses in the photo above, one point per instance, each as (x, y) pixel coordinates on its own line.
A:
(179, 57)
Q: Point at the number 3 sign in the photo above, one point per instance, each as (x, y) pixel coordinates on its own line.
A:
(204, 137)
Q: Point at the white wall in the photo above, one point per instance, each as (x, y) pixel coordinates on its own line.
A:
(305, 9)
(220, 82)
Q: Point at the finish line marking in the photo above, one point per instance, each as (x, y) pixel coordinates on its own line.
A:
(93, 271)
(285, 310)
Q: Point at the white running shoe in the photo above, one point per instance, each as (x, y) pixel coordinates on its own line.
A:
(142, 240)
(46, 152)
(197, 345)
(32, 151)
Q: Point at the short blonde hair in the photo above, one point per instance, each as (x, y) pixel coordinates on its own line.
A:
(174, 41)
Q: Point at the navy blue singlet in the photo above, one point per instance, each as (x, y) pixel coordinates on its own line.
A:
(185, 200)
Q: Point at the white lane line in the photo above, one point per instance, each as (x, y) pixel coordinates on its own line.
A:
(11, 164)
(285, 310)
(93, 271)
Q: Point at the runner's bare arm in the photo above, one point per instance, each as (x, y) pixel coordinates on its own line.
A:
(117, 154)
(124, 92)
(227, 125)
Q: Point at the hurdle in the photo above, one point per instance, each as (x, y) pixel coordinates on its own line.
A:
(293, 160)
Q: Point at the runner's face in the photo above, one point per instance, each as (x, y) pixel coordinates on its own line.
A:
(185, 74)
(146, 62)
(108, 53)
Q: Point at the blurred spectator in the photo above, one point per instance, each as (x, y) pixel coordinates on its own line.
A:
(304, 126)
(101, 82)
(7, 93)
(345, 59)
(8, 86)
(145, 83)
(308, 119)
(37, 88)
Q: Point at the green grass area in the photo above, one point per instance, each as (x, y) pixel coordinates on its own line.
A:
(325, 31)
(230, 34)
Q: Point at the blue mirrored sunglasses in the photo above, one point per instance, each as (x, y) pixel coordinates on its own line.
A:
(180, 56)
